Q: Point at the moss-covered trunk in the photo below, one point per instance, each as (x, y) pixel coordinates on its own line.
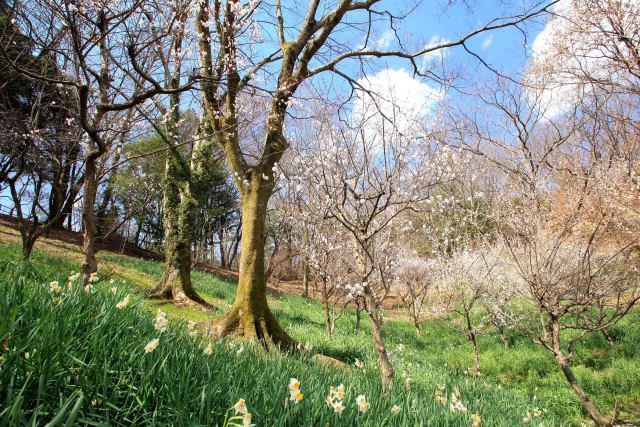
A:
(179, 208)
(250, 316)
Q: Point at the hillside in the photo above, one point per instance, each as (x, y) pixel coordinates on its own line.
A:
(79, 356)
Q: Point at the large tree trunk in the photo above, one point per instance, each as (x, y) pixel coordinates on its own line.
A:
(250, 316)
(178, 208)
(27, 247)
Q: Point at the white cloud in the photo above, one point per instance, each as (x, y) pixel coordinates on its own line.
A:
(394, 95)
(439, 55)
(487, 42)
(384, 41)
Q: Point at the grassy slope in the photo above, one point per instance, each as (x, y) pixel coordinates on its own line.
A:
(180, 384)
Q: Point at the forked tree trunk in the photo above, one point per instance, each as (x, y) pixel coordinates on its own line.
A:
(505, 340)
(416, 324)
(89, 226)
(608, 337)
(250, 316)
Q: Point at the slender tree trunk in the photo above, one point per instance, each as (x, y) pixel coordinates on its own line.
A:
(562, 361)
(90, 263)
(472, 339)
(476, 357)
(416, 315)
(600, 419)
(358, 309)
(223, 252)
(236, 243)
(305, 280)
(386, 369)
(371, 306)
(250, 316)
(325, 301)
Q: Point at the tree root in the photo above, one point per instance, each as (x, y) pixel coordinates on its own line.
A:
(172, 289)
(248, 324)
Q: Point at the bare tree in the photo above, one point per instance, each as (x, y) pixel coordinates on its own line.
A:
(102, 49)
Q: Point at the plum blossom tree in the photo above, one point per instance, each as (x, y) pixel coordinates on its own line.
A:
(466, 279)
(367, 174)
(414, 285)
(565, 217)
(589, 48)
(236, 57)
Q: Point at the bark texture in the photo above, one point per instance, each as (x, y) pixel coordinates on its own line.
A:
(250, 316)
(179, 206)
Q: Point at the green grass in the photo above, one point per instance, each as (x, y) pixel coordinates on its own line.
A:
(87, 365)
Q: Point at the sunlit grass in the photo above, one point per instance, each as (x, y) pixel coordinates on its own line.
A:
(89, 355)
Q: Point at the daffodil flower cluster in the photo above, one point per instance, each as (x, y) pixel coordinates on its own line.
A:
(151, 345)
(363, 405)
(93, 278)
(54, 287)
(124, 302)
(440, 395)
(72, 279)
(335, 398)
(208, 350)
(295, 395)
(456, 404)
(161, 321)
(531, 414)
(244, 415)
